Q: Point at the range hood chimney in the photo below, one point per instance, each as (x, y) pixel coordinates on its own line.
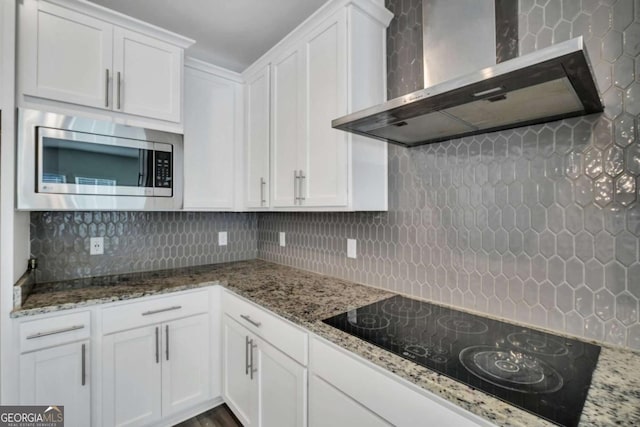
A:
(467, 93)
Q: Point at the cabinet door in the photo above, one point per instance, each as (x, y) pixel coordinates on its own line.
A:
(237, 387)
(59, 376)
(150, 76)
(186, 373)
(287, 118)
(67, 55)
(131, 377)
(324, 149)
(329, 407)
(210, 140)
(282, 387)
(257, 126)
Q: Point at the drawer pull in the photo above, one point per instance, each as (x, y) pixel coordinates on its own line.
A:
(246, 355)
(248, 319)
(166, 329)
(252, 370)
(157, 347)
(57, 331)
(84, 364)
(106, 88)
(162, 310)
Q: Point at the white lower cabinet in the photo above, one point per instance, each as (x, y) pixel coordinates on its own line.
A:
(186, 370)
(156, 359)
(329, 407)
(263, 383)
(132, 377)
(156, 371)
(59, 376)
(356, 393)
(55, 364)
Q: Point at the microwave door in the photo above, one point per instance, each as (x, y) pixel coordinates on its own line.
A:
(83, 163)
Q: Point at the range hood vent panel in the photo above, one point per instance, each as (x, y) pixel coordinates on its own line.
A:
(549, 84)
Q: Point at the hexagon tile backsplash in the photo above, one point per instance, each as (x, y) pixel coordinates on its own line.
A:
(137, 241)
(539, 224)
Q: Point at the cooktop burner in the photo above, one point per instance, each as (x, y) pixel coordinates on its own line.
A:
(538, 372)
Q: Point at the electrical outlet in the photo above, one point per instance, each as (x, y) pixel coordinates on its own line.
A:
(282, 239)
(352, 245)
(222, 238)
(96, 246)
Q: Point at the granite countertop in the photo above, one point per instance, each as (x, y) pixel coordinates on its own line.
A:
(306, 298)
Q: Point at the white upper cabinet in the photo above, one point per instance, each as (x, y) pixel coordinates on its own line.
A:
(212, 137)
(331, 65)
(77, 56)
(148, 76)
(324, 156)
(287, 120)
(257, 92)
(73, 57)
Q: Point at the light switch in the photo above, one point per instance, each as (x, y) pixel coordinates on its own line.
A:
(222, 238)
(282, 239)
(96, 246)
(351, 248)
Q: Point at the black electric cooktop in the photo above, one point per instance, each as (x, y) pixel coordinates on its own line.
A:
(541, 373)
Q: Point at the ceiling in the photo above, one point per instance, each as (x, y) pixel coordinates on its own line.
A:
(228, 33)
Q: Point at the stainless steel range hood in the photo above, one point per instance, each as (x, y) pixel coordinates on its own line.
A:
(549, 84)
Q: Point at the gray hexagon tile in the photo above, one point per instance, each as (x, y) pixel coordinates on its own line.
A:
(136, 241)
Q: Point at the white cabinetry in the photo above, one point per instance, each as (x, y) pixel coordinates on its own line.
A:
(70, 56)
(155, 371)
(212, 137)
(287, 118)
(55, 365)
(262, 384)
(78, 53)
(257, 96)
(324, 151)
(336, 380)
(331, 65)
(148, 76)
(131, 374)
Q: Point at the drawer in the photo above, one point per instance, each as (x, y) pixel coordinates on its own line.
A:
(54, 330)
(394, 400)
(153, 310)
(277, 331)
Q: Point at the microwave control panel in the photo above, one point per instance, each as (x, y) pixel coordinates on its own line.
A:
(163, 169)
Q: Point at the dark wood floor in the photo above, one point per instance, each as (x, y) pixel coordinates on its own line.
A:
(220, 416)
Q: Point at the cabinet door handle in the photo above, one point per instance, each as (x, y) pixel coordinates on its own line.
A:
(262, 184)
(251, 347)
(118, 91)
(248, 319)
(301, 177)
(54, 332)
(106, 88)
(246, 355)
(162, 310)
(84, 364)
(166, 330)
(295, 187)
(157, 346)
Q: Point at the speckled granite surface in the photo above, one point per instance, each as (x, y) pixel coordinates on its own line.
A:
(306, 298)
(23, 288)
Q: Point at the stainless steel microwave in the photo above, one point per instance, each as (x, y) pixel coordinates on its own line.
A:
(73, 163)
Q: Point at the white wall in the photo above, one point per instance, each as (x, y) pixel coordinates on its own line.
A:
(14, 226)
